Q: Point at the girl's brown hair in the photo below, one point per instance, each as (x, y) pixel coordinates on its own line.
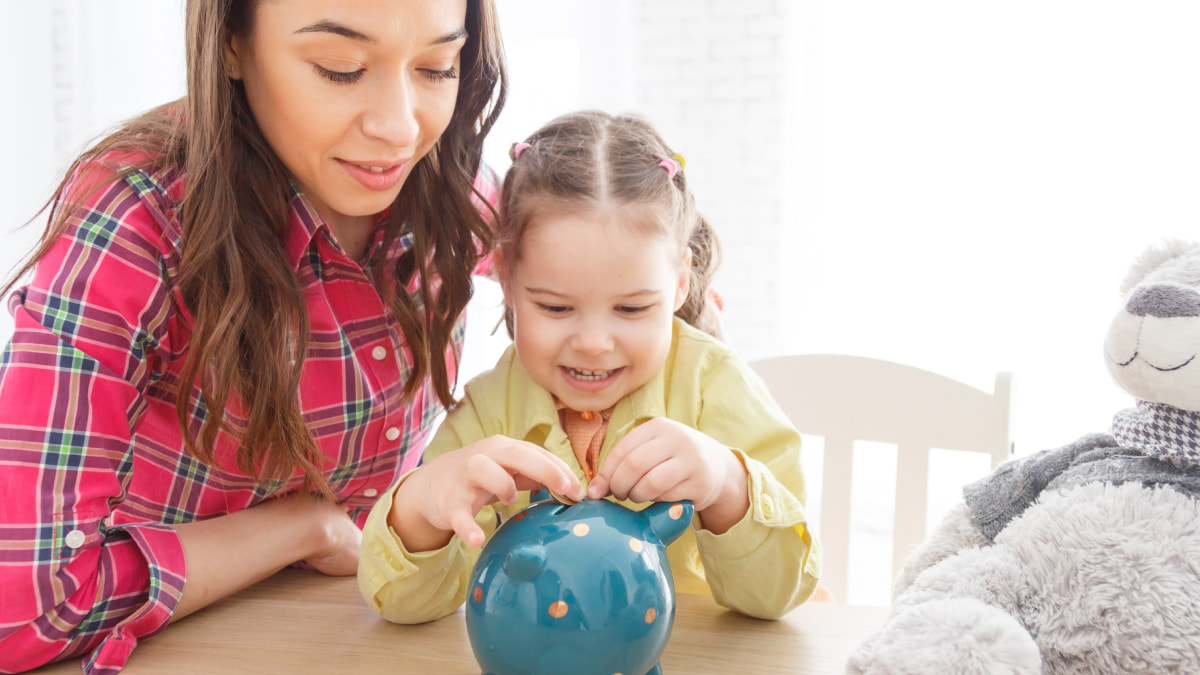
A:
(590, 159)
(250, 329)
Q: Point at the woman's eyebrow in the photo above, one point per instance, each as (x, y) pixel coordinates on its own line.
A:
(459, 34)
(335, 28)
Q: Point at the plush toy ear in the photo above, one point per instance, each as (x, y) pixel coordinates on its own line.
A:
(1174, 260)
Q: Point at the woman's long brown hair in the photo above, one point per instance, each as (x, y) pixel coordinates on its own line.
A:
(250, 324)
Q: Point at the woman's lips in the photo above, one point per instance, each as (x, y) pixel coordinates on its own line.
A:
(375, 176)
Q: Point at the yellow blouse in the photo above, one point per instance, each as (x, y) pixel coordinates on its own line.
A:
(763, 566)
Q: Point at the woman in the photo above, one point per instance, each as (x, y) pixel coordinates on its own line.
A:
(290, 245)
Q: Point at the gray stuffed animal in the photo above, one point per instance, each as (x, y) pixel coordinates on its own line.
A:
(1086, 558)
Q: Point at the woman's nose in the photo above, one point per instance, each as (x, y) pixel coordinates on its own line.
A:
(392, 114)
(1164, 301)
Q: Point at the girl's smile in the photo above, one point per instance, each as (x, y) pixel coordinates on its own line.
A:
(590, 381)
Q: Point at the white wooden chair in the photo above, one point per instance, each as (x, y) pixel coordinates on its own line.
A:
(851, 398)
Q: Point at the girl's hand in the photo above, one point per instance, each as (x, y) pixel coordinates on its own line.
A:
(443, 496)
(338, 539)
(665, 461)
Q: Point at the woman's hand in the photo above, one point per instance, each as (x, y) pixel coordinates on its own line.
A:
(666, 461)
(442, 497)
(228, 553)
(337, 539)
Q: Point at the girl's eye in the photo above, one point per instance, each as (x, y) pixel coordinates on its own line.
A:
(439, 75)
(338, 76)
(554, 309)
(632, 309)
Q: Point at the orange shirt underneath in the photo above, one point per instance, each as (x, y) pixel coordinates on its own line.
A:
(586, 431)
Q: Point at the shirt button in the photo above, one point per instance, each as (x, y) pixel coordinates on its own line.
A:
(379, 353)
(370, 492)
(768, 506)
(75, 538)
(392, 433)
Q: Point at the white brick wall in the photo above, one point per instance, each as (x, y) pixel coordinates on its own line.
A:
(711, 75)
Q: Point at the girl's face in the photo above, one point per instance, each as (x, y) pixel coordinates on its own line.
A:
(351, 93)
(593, 301)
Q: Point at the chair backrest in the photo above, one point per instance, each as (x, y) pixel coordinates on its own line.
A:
(852, 398)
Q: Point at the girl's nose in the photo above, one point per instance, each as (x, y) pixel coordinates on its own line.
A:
(592, 338)
(392, 114)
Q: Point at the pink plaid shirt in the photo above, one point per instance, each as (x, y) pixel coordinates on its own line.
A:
(93, 470)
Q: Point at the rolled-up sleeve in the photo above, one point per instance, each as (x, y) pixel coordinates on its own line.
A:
(406, 587)
(769, 562)
(87, 328)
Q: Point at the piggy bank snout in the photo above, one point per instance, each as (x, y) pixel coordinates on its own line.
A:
(525, 561)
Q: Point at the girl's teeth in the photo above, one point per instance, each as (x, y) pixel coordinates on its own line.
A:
(590, 374)
(372, 169)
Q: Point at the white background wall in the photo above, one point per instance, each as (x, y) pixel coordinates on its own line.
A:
(74, 68)
(958, 186)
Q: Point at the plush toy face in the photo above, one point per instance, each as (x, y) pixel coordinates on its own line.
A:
(1154, 340)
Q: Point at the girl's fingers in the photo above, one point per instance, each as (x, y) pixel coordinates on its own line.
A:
(463, 523)
(632, 466)
(601, 484)
(662, 483)
(485, 475)
(531, 466)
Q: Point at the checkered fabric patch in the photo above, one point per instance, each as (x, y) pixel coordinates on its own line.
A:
(1164, 431)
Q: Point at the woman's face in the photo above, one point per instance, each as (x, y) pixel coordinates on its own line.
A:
(351, 93)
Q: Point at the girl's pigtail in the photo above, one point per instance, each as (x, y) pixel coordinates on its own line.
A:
(700, 309)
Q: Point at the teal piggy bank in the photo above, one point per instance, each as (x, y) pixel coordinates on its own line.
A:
(579, 589)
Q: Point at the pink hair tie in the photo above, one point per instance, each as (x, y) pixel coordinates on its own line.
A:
(514, 153)
(673, 164)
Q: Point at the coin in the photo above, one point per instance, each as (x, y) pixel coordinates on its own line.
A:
(566, 501)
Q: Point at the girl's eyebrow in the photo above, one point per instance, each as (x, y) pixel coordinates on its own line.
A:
(326, 26)
(626, 296)
(543, 291)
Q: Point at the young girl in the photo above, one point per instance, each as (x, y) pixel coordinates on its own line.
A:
(244, 298)
(605, 265)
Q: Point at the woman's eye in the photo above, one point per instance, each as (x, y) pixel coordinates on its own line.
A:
(338, 76)
(439, 75)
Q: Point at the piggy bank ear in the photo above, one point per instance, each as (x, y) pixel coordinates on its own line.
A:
(524, 561)
(668, 520)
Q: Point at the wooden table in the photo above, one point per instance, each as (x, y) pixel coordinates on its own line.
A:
(303, 622)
